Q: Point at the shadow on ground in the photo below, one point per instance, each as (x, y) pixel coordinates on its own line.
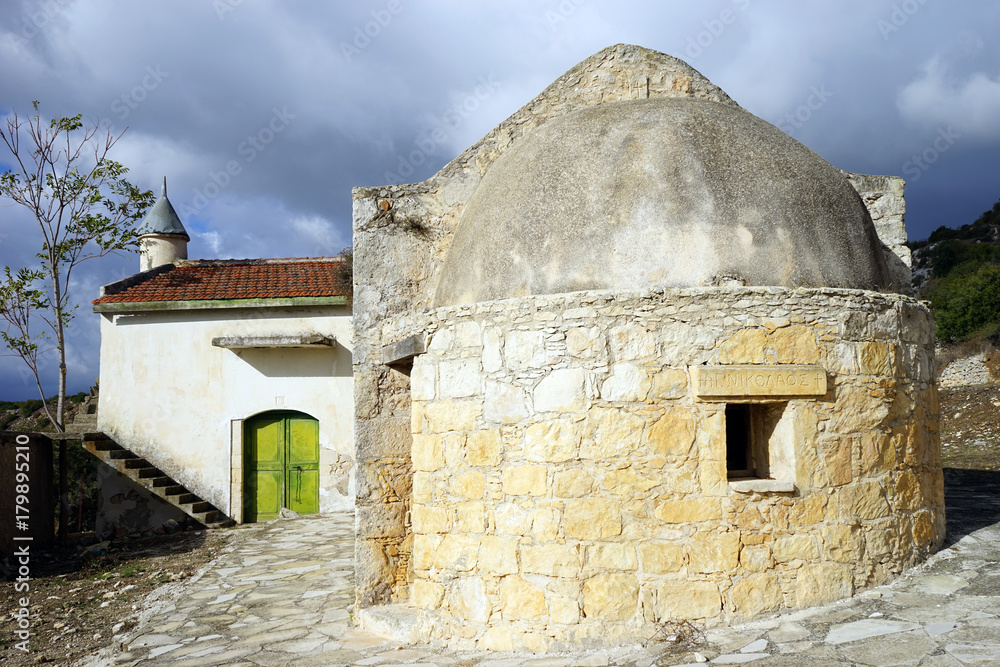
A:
(972, 501)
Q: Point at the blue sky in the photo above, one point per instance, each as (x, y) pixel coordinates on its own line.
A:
(263, 115)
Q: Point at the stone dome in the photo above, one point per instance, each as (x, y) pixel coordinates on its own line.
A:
(664, 192)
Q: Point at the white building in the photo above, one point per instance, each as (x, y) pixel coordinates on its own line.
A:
(229, 380)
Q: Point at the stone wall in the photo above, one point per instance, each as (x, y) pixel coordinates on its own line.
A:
(883, 197)
(570, 484)
(401, 236)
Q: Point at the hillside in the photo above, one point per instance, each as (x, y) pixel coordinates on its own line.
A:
(958, 271)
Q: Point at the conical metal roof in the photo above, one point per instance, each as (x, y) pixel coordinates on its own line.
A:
(162, 218)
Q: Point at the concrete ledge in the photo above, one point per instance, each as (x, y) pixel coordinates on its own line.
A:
(762, 486)
(248, 342)
(403, 350)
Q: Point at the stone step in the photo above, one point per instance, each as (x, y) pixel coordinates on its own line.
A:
(144, 473)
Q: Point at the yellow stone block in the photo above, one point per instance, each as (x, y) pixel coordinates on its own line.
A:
(687, 601)
(467, 598)
(429, 519)
(416, 417)
(423, 489)
(427, 453)
(660, 557)
(878, 452)
(627, 482)
(457, 552)
(424, 548)
(572, 483)
(524, 481)
(669, 384)
(564, 610)
(545, 524)
(611, 597)
(795, 547)
(470, 518)
(842, 543)
(551, 441)
(511, 519)
(808, 511)
(470, 485)
(484, 448)
(443, 416)
(908, 490)
(836, 455)
(521, 600)
(756, 557)
(612, 556)
(923, 529)
(426, 594)
(823, 582)
(672, 434)
(746, 346)
(611, 434)
(713, 552)
(756, 593)
(554, 560)
(685, 511)
(796, 345)
(497, 638)
(591, 519)
(874, 358)
(864, 500)
(498, 555)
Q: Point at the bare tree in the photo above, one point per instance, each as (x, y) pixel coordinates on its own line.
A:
(84, 208)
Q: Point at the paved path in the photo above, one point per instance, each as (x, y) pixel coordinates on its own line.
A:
(281, 595)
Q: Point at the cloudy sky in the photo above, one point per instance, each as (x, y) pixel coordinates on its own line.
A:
(264, 114)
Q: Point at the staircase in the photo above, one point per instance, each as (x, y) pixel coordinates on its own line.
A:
(146, 475)
(139, 470)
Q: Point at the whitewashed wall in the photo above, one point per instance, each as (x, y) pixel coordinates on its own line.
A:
(171, 397)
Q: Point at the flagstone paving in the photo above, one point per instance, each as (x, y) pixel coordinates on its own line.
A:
(282, 595)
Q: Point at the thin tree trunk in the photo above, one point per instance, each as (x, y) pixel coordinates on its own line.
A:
(60, 344)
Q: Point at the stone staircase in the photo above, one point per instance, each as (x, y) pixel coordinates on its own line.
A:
(146, 475)
(139, 470)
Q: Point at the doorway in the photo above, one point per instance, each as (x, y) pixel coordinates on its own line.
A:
(281, 464)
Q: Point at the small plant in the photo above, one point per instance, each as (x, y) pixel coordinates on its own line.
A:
(681, 633)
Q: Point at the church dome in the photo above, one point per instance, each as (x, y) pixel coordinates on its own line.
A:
(664, 192)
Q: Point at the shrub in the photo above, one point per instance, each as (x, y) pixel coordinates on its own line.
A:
(966, 301)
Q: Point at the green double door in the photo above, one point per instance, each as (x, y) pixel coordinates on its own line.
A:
(281, 463)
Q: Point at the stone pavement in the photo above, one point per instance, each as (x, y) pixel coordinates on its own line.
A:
(281, 595)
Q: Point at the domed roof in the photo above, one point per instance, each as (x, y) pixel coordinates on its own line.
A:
(668, 192)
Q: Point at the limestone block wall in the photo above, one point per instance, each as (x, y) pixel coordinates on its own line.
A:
(883, 196)
(570, 479)
(401, 235)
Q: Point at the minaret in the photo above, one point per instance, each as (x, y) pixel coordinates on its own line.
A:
(162, 237)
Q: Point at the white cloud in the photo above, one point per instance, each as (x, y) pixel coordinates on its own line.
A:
(970, 104)
(320, 233)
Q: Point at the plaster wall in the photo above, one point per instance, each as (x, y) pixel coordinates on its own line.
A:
(570, 482)
(170, 396)
(155, 251)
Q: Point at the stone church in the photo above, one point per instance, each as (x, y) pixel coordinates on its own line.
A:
(635, 356)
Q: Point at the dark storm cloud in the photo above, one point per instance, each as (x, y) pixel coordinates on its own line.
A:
(264, 115)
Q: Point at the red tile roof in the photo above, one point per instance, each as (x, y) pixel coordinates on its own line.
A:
(238, 279)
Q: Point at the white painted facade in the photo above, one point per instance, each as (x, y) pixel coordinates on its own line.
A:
(157, 250)
(171, 397)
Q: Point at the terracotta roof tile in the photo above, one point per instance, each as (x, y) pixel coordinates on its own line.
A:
(238, 279)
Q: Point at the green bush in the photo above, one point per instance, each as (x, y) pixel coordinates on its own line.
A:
(29, 406)
(965, 301)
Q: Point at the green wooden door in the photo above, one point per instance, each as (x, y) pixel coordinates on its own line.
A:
(281, 463)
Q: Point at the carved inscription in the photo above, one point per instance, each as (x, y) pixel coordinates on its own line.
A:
(725, 381)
